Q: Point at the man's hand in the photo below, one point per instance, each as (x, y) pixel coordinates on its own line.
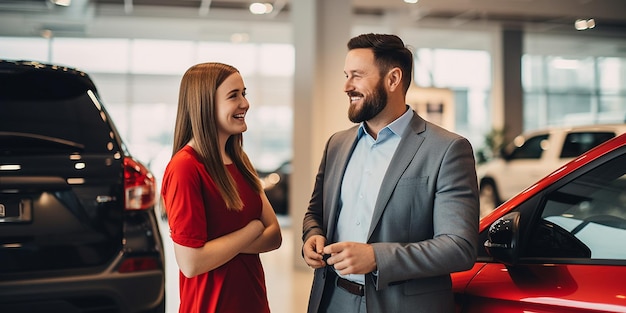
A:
(351, 257)
(313, 251)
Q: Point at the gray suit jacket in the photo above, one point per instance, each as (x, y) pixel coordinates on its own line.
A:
(425, 222)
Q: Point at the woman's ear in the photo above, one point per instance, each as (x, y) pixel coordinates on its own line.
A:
(394, 79)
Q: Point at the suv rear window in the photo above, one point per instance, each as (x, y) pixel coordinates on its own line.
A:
(37, 83)
(55, 114)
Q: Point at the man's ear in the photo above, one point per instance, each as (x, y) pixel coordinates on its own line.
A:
(394, 79)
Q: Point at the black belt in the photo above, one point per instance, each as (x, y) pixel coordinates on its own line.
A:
(349, 286)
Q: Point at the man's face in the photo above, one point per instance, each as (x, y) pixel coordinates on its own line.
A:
(364, 86)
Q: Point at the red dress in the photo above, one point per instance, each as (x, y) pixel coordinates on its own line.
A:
(196, 214)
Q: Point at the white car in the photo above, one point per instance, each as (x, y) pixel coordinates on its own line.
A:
(532, 156)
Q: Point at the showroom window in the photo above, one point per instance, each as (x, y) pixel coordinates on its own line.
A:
(467, 73)
(138, 81)
(573, 90)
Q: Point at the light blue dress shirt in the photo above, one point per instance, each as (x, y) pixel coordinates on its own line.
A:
(359, 189)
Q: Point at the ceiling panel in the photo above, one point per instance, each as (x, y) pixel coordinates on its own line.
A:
(218, 19)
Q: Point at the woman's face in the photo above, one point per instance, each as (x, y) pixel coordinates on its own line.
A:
(231, 106)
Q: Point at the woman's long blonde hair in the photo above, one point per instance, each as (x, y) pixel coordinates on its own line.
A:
(196, 118)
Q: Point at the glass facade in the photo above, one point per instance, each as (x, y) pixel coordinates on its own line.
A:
(573, 91)
(138, 79)
(467, 73)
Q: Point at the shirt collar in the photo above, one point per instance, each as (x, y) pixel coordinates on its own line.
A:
(397, 127)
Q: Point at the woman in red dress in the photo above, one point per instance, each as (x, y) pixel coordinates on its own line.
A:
(219, 217)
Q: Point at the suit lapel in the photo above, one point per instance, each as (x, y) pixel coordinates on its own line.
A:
(338, 168)
(405, 153)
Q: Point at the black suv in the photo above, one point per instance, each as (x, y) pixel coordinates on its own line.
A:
(78, 231)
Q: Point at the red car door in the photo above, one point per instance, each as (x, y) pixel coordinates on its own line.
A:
(546, 288)
(559, 247)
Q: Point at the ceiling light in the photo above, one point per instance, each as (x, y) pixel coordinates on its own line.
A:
(261, 8)
(411, 1)
(63, 3)
(582, 24)
(10, 167)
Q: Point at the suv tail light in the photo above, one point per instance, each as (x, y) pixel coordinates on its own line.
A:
(139, 186)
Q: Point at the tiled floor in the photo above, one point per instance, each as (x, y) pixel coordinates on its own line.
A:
(287, 287)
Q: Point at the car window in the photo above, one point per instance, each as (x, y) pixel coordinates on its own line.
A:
(532, 148)
(579, 142)
(586, 218)
(73, 124)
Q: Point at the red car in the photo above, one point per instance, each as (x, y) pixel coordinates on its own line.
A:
(558, 246)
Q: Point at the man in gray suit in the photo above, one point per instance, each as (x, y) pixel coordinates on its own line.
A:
(395, 207)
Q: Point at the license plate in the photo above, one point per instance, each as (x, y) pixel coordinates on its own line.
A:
(15, 210)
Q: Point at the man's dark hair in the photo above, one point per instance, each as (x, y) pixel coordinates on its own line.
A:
(389, 52)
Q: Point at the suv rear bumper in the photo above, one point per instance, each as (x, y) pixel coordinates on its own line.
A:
(105, 292)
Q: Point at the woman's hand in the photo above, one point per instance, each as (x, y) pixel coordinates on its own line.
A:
(271, 238)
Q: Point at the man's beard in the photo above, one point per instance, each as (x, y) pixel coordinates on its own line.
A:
(372, 105)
